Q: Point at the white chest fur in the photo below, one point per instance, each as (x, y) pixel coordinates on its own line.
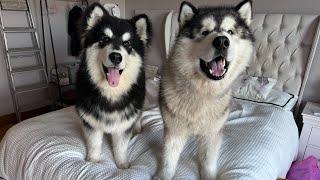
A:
(192, 108)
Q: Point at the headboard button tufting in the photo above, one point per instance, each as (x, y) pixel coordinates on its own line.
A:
(282, 46)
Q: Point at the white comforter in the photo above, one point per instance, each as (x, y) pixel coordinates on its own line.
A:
(260, 142)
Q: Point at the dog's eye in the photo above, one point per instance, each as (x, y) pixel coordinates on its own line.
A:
(230, 32)
(126, 43)
(205, 33)
(104, 41)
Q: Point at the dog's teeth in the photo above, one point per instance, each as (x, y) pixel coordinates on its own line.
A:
(210, 71)
(223, 62)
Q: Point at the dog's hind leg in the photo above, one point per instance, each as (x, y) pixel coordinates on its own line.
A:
(120, 142)
(209, 146)
(173, 146)
(94, 139)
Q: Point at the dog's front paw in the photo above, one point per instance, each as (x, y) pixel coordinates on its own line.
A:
(163, 175)
(124, 165)
(137, 130)
(137, 127)
(205, 175)
(93, 159)
(156, 177)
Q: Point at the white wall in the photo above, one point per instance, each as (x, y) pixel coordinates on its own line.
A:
(282, 6)
(260, 6)
(59, 18)
(59, 30)
(6, 106)
(121, 3)
(58, 15)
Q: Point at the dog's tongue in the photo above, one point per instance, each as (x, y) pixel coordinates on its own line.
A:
(113, 77)
(217, 67)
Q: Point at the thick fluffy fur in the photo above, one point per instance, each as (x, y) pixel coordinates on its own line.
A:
(102, 107)
(193, 102)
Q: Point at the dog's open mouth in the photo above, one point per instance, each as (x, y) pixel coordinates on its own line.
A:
(113, 75)
(215, 69)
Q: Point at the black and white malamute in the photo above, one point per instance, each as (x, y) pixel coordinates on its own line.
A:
(111, 80)
(213, 47)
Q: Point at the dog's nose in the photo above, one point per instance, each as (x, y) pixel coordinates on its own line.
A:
(115, 58)
(221, 43)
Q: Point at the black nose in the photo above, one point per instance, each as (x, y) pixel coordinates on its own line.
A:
(221, 43)
(115, 58)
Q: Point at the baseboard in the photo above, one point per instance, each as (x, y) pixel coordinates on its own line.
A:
(12, 119)
(8, 119)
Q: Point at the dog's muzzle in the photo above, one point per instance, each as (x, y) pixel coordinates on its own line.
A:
(115, 58)
(216, 68)
(221, 43)
(113, 73)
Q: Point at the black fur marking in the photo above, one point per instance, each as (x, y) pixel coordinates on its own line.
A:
(242, 3)
(91, 97)
(132, 112)
(86, 125)
(90, 100)
(161, 98)
(186, 3)
(118, 27)
(88, 12)
(149, 27)
(129, 130)
(219, 13)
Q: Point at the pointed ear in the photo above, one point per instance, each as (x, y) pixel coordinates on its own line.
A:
(142, 27)
(93, 14)
(187, 11)
(245, 10)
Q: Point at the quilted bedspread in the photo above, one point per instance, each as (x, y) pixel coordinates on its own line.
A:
(259, 142)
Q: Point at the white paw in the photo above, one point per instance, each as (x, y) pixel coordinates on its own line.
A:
(157, 177)
(137, 129)
(207, 176)
(93, 159)
(123, 165)
(162, 176)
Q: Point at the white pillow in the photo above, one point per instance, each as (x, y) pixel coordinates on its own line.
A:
(277, 98)
(282, 99)
(250, 87)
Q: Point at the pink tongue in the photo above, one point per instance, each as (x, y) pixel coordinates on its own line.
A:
(113, 77)
(217, 68)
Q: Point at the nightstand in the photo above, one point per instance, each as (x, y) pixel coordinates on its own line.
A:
(309, 143)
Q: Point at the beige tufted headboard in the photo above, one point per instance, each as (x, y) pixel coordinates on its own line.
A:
(284, 47)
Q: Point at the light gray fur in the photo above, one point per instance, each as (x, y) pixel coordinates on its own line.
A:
(194, 105)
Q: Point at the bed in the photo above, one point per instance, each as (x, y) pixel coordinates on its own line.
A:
(260, 140)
